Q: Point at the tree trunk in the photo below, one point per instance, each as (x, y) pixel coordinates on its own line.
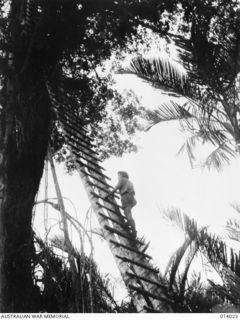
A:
(24, 136)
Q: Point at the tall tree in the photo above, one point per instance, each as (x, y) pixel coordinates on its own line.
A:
(47, 45)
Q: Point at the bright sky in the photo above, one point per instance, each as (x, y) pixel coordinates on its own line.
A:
(162, 180)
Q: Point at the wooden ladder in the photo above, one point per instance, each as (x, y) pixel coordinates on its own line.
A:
(141, 278)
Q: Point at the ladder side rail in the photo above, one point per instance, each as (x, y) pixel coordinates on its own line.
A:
(109, 236)
(124, 268)
(139, 301)
(138, 269)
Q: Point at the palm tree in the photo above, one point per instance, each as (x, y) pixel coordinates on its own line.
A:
(205, 75)
(202, 113)
(221, 259)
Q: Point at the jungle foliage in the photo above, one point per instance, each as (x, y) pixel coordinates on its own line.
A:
(61, 46)
(204, 73)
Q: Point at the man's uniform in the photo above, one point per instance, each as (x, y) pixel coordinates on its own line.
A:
(127, 193)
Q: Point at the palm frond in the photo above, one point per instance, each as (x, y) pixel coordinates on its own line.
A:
(225, 261)
(221, 291)
(184, 49)
(161, 71)
(220, 157)
(233, 281)
(174, 262)
(168, 111)
(231, 287)
(233, 228)
(221, 54)
(188, 146)
(203, 113)
(192, 253)
(95, 292)
(194, 118)
(212, 132)
(236, 206)
(215, 250)
(183, 222)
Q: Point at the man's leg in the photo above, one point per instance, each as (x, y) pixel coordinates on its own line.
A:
(128, 214)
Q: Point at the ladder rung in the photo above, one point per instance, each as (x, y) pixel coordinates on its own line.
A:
(75, 118)
(62, 106)
(77, 126)
(66, 111)
(66, 120)
(80, 141)
(123, 234)
(132, 275)
(93, 169)
(80, 144)
(90, 161)
(113, 220)
(97, 186)
(142, 291)
(101, 181)
(106, 199)
(111, 210)
(63, 113)
(131, 249)
(137, 264)
(73, 125)
(84, 152)
(70, 132)
(69, 112)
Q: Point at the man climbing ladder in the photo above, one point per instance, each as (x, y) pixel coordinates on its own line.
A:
(127, 194)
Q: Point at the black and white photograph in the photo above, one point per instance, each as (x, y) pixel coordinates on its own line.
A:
(119, 158)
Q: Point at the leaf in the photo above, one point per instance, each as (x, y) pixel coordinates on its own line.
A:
(168, 111)
(231, 286)
(188, 147)
(174, 262)
(233, 228)
(189, 260)
(219, 157)
(160, 71)
(183, 222)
